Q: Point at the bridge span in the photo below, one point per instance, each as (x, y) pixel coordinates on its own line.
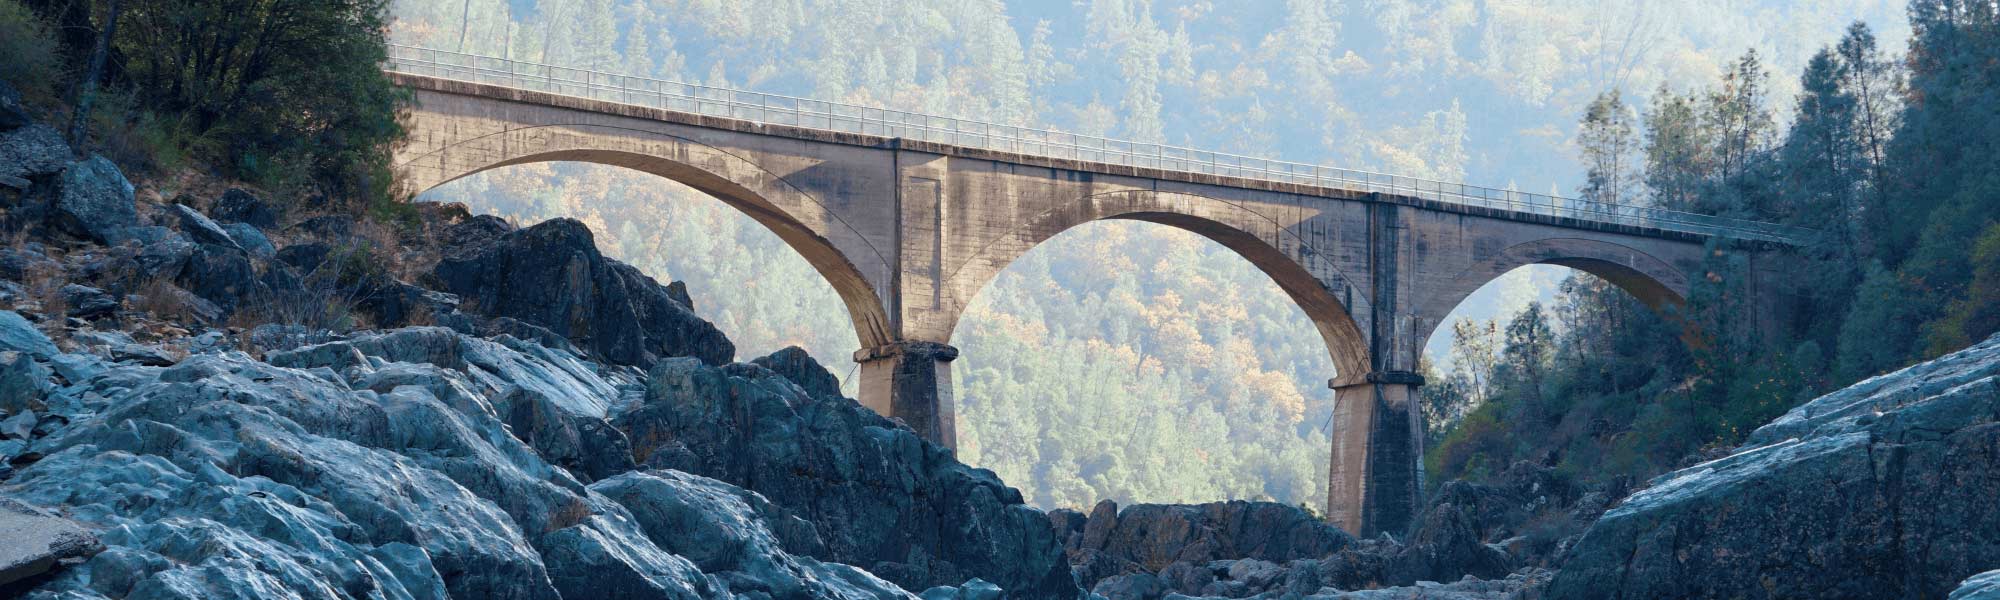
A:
(909, 215)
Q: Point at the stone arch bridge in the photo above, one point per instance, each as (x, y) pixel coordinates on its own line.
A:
(909, 216)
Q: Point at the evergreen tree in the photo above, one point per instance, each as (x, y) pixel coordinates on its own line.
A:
(1679, 142)
(1609, 146)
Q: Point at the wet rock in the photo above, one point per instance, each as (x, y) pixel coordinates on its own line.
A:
(32, 151)
(239, 206)
(201, 228)
(552, 275)
(87, 302)
(1887, 486)
(33, 541)
(878, 496)
(94, 199)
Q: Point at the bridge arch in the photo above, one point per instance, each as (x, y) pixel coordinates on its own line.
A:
(804, 222)
(1305, 273)
(1651, 280)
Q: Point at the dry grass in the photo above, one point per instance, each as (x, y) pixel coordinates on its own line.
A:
(160, 299)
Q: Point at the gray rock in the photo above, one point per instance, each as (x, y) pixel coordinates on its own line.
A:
(795, 364)
(24, 383)
(87, 302)
(251, 240)
(94, 199)
(878, 496)
(239, 206)
(1137, 586)
(721, 529)
(140, 234)
(220, 274)
(1150, 537)
(976, 589)
(164, 258)
(1886, 486)
(552, 275)
(18, 263)
(32, 541)
(1984, 586)
(32, 151)
(17, 334)
(203, 229)
(76, 368)
(18, 426)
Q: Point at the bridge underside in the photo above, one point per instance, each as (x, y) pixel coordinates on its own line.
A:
(908, 232)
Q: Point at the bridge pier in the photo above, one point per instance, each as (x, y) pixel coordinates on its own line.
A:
(911, 381)
(1376, 480)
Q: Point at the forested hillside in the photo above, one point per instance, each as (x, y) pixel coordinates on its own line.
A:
(1131, 361)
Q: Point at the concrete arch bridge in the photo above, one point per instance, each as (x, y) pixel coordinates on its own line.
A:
(909, 215)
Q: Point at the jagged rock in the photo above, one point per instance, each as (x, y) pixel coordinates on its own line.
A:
(220, 274)
(203, 229)
(525, 331)
(720, 528)
(24, 383)
(87, 302)
(879, 497)
(796, 365)
(239, 206)
(1153, 536)
(252, 240)
(32, 541)
(164, 259)
(94, 199)
(976, 589)
(1137, 586)
(397, 477)
(19, 426)
(17, 334)
(1984, 586)
(552, 275)
(1884, 489)
(32, 151)
(1447, 544)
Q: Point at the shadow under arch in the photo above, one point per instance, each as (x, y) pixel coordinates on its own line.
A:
(1652, 281)
(752, 198)
(1227, 223)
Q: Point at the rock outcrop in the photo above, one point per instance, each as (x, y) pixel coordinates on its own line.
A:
(877, 496)
(552, 275)
(94, 200)
(1881, 490)
(1148, 538)
(384, 466)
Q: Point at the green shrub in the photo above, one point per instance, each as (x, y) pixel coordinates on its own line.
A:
(30, 59)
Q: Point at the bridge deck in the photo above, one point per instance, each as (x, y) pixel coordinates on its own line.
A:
(830, 122)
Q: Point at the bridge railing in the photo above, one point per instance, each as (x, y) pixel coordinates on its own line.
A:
(834, 116)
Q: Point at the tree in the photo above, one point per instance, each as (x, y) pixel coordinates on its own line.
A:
(1740, 114)
(285, 89)
(1678, 150)
(1609, 146)
(1526, 359)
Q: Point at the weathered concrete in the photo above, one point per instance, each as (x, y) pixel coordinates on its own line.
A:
(908, 232)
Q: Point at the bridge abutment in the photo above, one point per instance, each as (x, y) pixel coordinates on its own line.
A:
(1376, 479)
(911, 381)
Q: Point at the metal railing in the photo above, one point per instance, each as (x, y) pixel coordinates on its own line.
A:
(847, 118)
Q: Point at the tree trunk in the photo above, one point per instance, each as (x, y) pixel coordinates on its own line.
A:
(79, 127)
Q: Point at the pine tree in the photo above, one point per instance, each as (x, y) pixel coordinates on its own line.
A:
(1609, 146)
(1678, 150)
